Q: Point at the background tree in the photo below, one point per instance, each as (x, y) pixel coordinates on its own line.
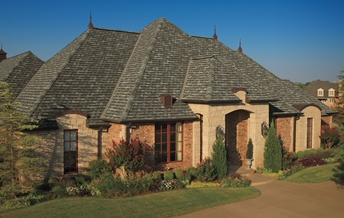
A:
(20, 164)
(219, 158)
(272, 151)
(339, 118)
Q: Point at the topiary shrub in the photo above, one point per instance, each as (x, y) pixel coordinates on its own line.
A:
(273, 151)
(219, 158)
(97, 168)
(179, 174)
(168, 175)
(249, 151)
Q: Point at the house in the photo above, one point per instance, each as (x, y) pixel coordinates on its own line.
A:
(173, 91)
(325, 91)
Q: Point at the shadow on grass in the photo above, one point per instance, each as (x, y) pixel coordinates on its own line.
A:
(338, 176)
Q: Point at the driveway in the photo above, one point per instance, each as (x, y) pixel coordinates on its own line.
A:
(283, 199)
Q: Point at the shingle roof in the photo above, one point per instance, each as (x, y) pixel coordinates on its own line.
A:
(325, 85)
(18, 70)
(119, 76)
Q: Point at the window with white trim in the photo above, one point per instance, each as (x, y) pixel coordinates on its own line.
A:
(331, 92)
(320, 92)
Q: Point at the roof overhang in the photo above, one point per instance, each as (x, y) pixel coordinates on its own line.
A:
(210, 101)
(302, 106)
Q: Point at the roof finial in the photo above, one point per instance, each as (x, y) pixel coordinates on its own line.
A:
(215, 36)
(90, 25)
(240, 49)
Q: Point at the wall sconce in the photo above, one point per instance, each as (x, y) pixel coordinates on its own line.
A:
(265, 129)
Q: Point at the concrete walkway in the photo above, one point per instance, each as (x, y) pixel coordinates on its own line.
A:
(283, 199)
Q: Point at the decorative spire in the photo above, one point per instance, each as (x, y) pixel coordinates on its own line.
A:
(90, 25)
(215, 36)
(2, 54)
(240, 49)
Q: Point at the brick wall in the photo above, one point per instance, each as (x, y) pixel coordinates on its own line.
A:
(285, 130)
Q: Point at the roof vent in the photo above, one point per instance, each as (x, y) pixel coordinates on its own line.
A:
(166, 100)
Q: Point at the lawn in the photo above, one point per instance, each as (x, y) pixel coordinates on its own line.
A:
(164, 204)
(313, 174)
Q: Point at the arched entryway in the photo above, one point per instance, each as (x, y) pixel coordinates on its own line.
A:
(236, 130)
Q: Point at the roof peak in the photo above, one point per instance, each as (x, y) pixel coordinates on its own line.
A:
(90, 24)
(2, 51)
(215, 36)
(240, 49)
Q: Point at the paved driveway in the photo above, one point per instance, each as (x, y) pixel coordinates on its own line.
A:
(283, 199)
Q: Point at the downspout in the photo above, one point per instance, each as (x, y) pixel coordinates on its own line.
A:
(200, 136)
(100, 134)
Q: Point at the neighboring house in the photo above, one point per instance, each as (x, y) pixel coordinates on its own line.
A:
(324, 91)
(173, 91)
(18, 70)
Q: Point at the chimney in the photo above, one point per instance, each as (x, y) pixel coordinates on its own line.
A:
(2, 54)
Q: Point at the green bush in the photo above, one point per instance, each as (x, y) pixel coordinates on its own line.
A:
(301, 155)
(58, 191)
(206, 171)
(179, 174)
(168, 175)
(235, 182)
(273, 151)
(287, 159)
(200, 184)
(296, 168)
(53, 181)
(97, 168)
(157, 175)
(249, 151)
(187, 176)
(219, 158)
(263, 170)
(192, 171)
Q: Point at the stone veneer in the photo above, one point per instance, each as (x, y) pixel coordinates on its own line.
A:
(285, 130)
(301, 128)
(51, 144)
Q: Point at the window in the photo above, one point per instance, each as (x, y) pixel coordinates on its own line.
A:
(332, 100)
(309, 132)
(70, 151)
(168, 142)
(320, 92)
(331, 92)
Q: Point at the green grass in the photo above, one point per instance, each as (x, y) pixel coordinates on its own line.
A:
(316, 174)
(164, 204)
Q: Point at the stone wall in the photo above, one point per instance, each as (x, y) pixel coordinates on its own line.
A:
(52, 147)
(285, 130)
(301, 128)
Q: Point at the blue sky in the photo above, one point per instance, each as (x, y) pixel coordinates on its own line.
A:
(301, 40)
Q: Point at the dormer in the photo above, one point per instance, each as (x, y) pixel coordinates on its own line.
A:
(320, 92)
(331, 92)
(166, 100)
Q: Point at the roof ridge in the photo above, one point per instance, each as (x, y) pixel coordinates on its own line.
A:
(211, 78)
(125, 31)
(185, 79)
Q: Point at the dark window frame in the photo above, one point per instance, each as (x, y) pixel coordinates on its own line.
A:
(309, 132)
(168, 142)
(70, 151)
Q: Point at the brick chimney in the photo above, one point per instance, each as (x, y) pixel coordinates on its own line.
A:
(2, 54)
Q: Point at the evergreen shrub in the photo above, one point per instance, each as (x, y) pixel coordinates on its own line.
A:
(273, 151)
(219, 158)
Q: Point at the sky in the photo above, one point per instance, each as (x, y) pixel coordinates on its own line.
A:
(299, 40)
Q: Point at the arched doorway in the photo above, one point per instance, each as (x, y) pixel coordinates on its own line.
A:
(236, 131)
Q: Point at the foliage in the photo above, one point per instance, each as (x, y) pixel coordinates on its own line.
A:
(249, 151)
(58, 191)
(129, 155)
(97, 168)
(205, 170)
(192, 171)
(20, 163)
(219, 158)
(329, 137)
(21, 202)
(313, 174)
(179, 174)
(287, 159)
(338, 175)
(296, 168)
(263, 170)
(272, 151)
(199, 184)
(156, 175)
(310, 161)
(239, 181)
(168, 175)
(171, 184)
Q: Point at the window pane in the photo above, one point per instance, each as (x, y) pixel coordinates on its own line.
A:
(157, 148)
(157, 128)
(179, 146)
(179, 126)
(157, 138)
(164, 158)
(73, 161)
(164, 147)
(73, 135)
(179, 136)
(173, 127)
(164, 137)
(67, 136)
(179, 155)
(67, 146)
(173, 157)
(172, 146)
(164, 127)
(173, 137)
(73, 146)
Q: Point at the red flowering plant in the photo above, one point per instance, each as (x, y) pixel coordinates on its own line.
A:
(287, 158)
(127, 155)
(329, 136)
(205, 170)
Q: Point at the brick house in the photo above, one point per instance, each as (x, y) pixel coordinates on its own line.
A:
(324, 91)
(173, 91)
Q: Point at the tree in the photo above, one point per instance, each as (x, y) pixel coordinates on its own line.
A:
(20, 164)
(272, 151)
(339, 118)
(219, 158)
